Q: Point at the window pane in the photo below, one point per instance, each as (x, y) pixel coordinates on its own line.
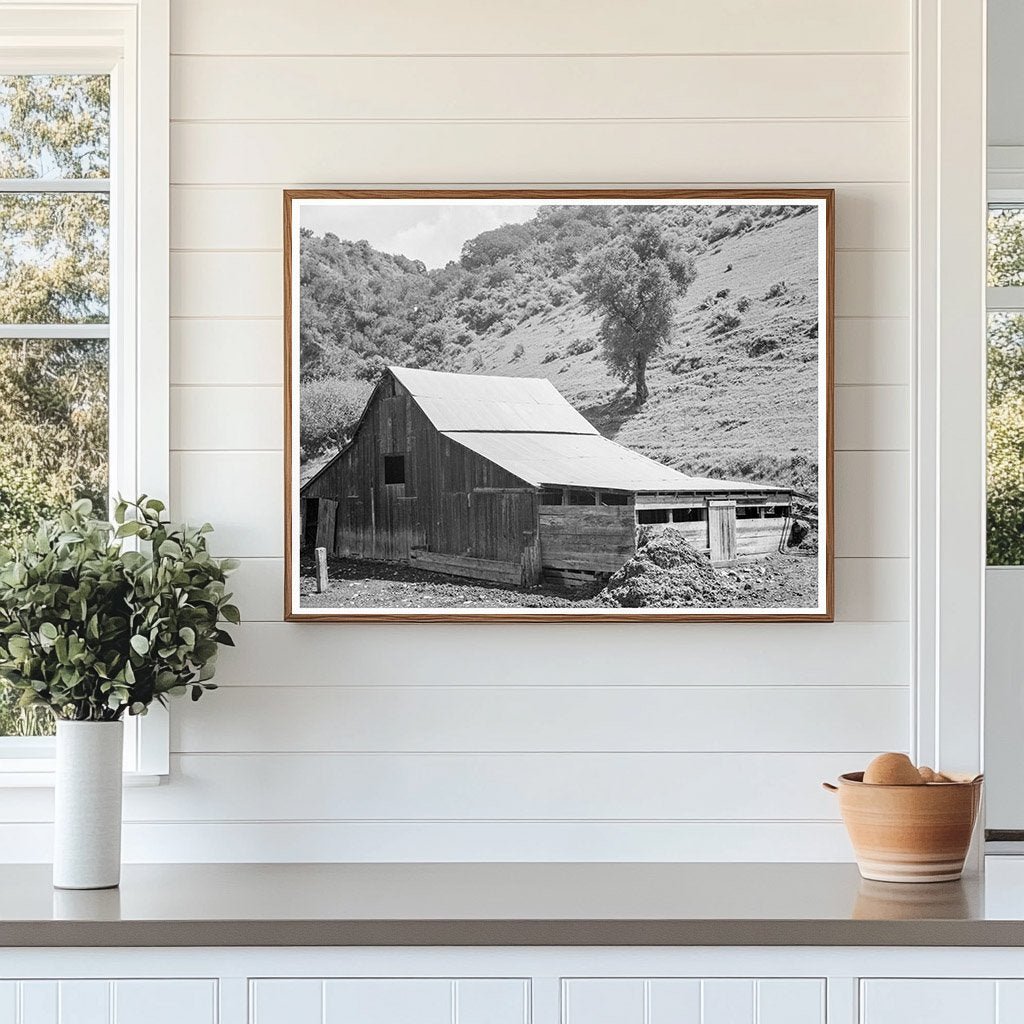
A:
(53, 449)
(1006, 439)
(54, 258)
(54, 126)
(1005, 246)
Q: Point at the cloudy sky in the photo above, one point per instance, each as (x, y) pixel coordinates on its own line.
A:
(433, 233)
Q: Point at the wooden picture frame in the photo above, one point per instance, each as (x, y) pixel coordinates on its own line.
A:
(508, 505)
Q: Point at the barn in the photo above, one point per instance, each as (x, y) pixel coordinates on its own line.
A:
(500, 478)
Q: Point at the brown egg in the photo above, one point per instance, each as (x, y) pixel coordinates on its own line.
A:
(892, 770)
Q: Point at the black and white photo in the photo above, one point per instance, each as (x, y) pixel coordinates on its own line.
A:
(559, 405)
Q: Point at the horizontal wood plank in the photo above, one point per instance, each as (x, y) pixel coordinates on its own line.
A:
(754, 654)
(461, 565)
(459, 842)
(710, 718)
(534, 26)
(873, 418)
(873, 350)
(285, 88)
(216, 418)
(227, 352)
(443, 786)
(872, 504)
(241, 493)
(733, 152)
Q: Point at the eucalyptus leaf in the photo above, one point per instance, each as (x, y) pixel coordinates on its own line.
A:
(93, 631)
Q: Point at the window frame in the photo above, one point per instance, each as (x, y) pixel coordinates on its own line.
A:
(130, 41)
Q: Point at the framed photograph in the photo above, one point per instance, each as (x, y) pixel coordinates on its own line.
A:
(559, 405)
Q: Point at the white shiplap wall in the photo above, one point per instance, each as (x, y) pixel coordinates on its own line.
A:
(690, 741)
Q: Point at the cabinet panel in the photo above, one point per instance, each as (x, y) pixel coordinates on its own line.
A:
(8, 1002)
(603, 1001)
(929, 1001)
(727, 1001)
(492, 1002)
(693, 1001)
(388, 1001)
(164, 1002)
(286, 1001)
(101, 1001)
(789, 1001)
(83, 1002)
(674, 1001)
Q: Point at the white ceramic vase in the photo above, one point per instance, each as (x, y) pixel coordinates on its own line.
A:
(87, 811)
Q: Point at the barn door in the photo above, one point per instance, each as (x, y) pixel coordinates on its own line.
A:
(722, 530)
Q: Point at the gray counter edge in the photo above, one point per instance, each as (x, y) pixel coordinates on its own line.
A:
(249, 933)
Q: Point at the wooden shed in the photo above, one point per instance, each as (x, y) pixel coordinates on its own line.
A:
(500, 478)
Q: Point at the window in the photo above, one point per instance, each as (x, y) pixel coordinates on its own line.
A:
(651, 516)
(582, 498)
(689, 515)
(394, 469)
(83, 262)
(1005, 477)
(614, 499)
(54, 307)
(551, 496)
(761, 511)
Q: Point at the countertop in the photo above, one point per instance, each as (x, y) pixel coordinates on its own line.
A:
(512, 904)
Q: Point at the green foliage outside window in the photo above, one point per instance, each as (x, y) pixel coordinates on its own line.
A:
(54, 269)
(1005, 485)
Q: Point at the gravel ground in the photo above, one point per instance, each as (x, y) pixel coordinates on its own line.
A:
(778, 581)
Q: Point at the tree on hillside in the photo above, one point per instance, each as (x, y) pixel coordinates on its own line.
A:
(633, 280)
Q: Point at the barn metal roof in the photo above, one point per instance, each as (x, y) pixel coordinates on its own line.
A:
(463, 401)
(585, 460)
(526, 426)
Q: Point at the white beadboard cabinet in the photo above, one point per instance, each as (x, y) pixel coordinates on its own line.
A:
(513, 985)
(106, 1001)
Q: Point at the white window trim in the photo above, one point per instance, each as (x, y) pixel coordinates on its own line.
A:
(131, 41)
(949, 446)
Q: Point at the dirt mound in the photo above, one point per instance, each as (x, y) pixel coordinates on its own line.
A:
(666, 572)
(803, 534)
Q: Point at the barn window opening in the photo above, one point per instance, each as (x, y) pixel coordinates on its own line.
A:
(394, 469)
(688, 515)
(551, 496)
(614, 499)
(582, 498)
(650, 516)
(760, 511)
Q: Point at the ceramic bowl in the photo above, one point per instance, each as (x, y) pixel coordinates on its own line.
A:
(909, 833)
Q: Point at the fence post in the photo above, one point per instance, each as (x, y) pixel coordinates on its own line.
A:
(321, 570)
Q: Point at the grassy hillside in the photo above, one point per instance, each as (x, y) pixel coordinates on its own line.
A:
(734, 393)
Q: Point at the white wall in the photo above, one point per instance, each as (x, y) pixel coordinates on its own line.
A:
(1004, 590)
(1005, 81)
(691, 741)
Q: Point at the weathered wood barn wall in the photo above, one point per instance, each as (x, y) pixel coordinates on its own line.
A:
(450, 500)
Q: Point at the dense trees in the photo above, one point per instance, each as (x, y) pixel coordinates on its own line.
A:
(363, 309)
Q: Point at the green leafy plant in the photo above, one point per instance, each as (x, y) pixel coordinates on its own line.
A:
(91, 629)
